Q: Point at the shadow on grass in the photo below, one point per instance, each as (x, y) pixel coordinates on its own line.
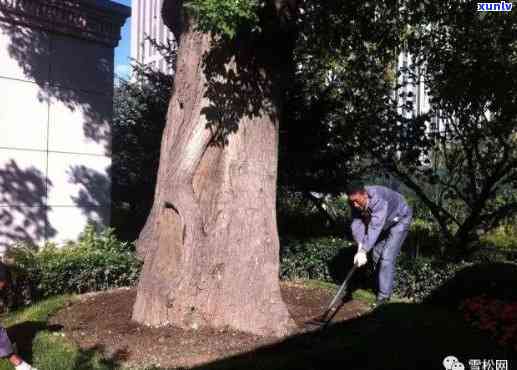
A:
(395, 336)
(23, 335)
(59, 353)
(90, 359)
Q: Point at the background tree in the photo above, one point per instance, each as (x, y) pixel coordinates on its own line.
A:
(344, 57)
(353, 124)
(467, 167)
(139, 114)
(140, 108)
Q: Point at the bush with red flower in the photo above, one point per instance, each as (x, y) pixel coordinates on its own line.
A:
(495, 316)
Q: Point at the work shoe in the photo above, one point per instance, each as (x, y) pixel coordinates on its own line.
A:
(382, 301)
(379, 302)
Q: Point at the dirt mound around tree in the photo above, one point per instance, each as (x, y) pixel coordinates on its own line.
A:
(103, 321)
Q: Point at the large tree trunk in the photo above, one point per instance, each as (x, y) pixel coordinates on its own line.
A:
(210, 245)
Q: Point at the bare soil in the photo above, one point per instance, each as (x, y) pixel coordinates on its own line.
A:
(102, 321)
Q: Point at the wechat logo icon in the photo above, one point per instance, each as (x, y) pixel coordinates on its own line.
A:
(452, 363)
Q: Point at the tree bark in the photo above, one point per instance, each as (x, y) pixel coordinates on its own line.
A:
(210, 245)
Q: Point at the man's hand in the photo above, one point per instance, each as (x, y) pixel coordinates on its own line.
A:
(360, 258)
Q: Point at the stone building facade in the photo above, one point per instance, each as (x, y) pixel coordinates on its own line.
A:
(56, 94)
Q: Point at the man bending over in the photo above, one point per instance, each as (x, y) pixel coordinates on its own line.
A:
(380, 223)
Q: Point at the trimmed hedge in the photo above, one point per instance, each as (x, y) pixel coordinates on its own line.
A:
(99, 261)
(95, 262)
(417, 278)
(329, 259)
(311, 259)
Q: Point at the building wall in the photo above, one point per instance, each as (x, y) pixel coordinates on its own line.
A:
(56, 94)
(420, 96)
(146, 21)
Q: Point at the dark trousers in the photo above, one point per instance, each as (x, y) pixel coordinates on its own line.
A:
(6, 347)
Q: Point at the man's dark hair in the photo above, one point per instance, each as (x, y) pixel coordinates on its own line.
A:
(355, 187)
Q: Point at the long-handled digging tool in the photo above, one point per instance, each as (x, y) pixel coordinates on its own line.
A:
(337, 302)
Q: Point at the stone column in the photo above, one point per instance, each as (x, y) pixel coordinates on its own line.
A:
(56, 96)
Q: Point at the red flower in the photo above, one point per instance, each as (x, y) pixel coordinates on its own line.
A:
(493, 315)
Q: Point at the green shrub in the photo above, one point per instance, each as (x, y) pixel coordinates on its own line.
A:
(503, 238)
(328, 259)
(499, 245)
(95, 262)
(299, 218)
(423, 238)
(491, 254)
(417, 278)
(105, 240)
(311, 259)
(223, 17)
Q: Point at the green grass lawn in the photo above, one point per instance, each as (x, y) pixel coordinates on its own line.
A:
(50, 349)
(399, 335)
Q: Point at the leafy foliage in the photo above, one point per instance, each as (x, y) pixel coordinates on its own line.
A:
(464, 169)
(418, 278)
(350, 112)
(344, 58)
(504, 237)
(302, 215)
(223, 17)
(328, 259)
(311, 259)
(95, 262)
(424, 238)
(140, 109)
(343, 116)
(347, 109)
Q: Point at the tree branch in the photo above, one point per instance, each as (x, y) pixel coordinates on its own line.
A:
(458, 193)
(438, 212)
(320, 204)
